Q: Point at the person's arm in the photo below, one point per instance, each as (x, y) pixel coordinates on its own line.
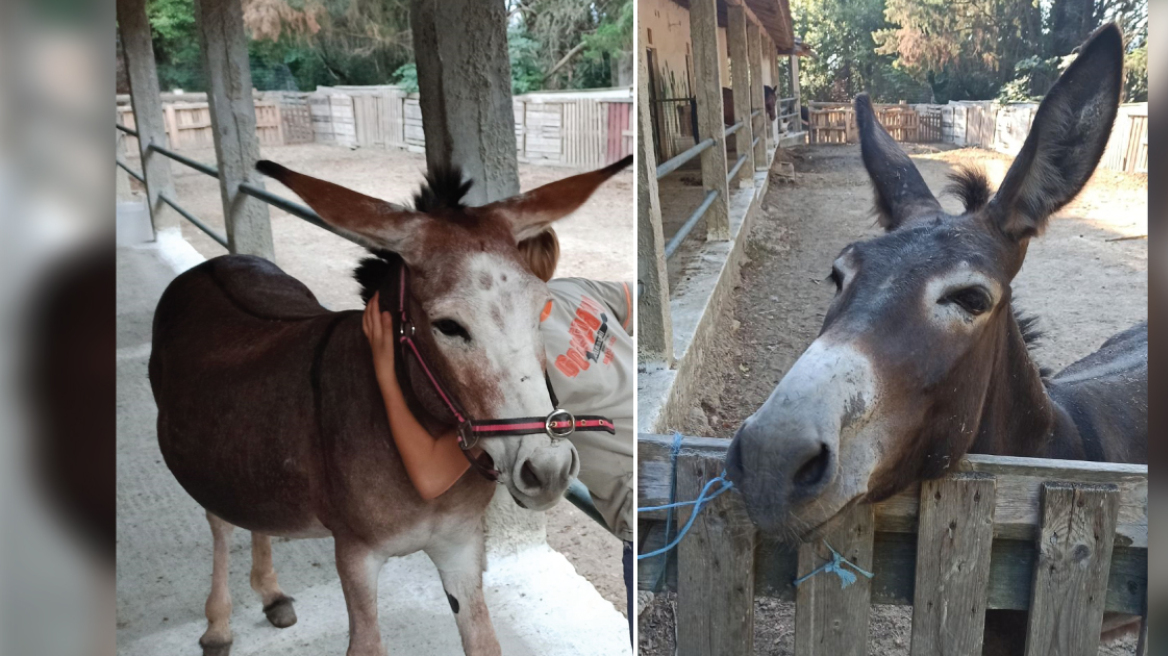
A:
(433, 464)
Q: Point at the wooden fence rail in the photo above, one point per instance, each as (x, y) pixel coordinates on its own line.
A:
(1066, 540)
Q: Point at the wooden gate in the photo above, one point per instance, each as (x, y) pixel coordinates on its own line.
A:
(1066, 540)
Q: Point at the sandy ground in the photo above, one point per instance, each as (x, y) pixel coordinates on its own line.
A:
(597, 242)
(1082, 285)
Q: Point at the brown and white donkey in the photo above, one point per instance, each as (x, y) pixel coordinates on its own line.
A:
(922, 359)
(270, 416)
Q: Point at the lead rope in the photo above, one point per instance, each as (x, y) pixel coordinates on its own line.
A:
(835, 566)
(704, 498)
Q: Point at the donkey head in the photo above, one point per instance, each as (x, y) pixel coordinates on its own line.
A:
(915, 343)
(474, 304)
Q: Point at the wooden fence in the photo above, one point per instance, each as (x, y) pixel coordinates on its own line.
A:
(581, 129)
(835, 123)
(1066, 540)
(188, 124)
(981, 124)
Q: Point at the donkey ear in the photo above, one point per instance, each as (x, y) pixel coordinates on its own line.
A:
(372, 221)
(529, 213)
(1066, 140)
(901, 192)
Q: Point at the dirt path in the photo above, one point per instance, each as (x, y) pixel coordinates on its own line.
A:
(595, 242)
(1082, 287)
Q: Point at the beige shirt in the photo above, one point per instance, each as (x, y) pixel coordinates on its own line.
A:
(592, 366)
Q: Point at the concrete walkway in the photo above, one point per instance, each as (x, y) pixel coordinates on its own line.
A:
(538, 604)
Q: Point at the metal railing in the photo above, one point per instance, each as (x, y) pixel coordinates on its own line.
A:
(734, 128)
(684, 230)
(737, 165)
(134, 174)
(672, 164)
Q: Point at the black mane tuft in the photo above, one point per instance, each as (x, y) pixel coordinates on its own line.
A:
(372, 272)
(971, 185)
(444, 190)
(1031, 335)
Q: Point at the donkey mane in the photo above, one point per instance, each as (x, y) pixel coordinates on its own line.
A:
(970, 184)
(441, 197)
(443, 191)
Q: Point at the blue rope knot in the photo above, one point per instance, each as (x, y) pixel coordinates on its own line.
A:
(708, 494)
(836, 566)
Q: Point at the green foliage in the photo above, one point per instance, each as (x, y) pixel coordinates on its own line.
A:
(524, 51)
(942, 50)
(176, 44)
(406, 77)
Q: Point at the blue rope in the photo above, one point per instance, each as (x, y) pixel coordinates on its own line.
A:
(704, 498)
(835, 566)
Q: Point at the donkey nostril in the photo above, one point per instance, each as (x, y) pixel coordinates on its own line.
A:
(530, 479)
(812, 471)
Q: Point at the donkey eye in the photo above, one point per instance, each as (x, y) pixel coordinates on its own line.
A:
(974, 300)
(451, 328)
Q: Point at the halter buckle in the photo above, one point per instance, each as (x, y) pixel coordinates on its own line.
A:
(556, 416)
(467, 438)
(406, 329)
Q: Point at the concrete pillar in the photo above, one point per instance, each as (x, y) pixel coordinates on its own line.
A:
(703, 29)
(464, 84)
(754, 43)
(147, 103)
(771, 61)
(741, 74)
(654, 325)
(229, 96)
(795, 93)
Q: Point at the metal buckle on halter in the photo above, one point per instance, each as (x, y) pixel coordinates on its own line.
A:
(467, 438)
(556, 416)
(406, 329)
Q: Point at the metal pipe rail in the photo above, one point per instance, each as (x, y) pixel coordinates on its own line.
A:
(755, 113)
(295, 209)
(755, 142)
(134, 174)
(132, 133)
(198, 166)
(676, 162)
(734, 128)
(211, 232)
(737, 165)
(689, 224)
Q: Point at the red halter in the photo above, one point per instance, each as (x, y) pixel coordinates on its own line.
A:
(558, 424)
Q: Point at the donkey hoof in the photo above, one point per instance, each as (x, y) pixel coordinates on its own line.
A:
(215, 647)
(280, 613)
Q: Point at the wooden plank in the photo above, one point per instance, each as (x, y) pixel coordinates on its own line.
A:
(953, 565)
(148, 115)
(1070, 580)
(223, 45)
(1016, 515)
(715, 587)
(654, 322)
(831, 620)
(757, 101)
(741, 68)
(703, 28)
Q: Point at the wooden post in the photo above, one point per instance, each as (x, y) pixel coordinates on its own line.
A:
(147, 103)
(830, 620)
(464, 85)
(740, 72)
(233, 121)
(715, 569)
(954, 541)
(654, 325)
(1070, 577)
(703, 29)
(754, 39)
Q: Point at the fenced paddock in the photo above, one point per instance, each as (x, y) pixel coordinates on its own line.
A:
(1066, 540)
(981, 124)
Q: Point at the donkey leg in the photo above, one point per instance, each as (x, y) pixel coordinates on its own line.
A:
(277, 605)
(460, 561)
(216, 641)
(358, 567)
